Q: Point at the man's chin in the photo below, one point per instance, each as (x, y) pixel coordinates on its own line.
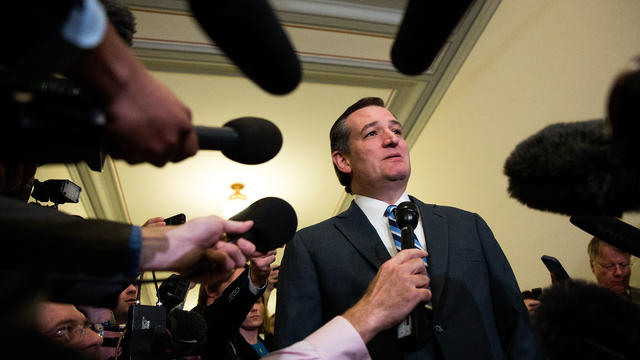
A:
(618, 289)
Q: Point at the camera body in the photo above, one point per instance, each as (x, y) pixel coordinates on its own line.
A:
(146, 335)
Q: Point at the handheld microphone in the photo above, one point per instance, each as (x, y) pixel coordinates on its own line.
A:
(414, 332)
(274, 223)
(424, 29)
(612, 231)
(247, 140)
(407, 216)
(250, 35)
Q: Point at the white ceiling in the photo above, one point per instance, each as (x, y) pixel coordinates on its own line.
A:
(514, 68)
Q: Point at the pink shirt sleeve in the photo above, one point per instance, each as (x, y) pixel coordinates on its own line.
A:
(335, 340)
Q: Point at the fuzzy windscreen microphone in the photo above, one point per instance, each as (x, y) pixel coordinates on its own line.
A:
(572, 168)
(585, 167)
(580, 320)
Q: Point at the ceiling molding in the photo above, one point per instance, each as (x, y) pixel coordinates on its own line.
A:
(340, 9)
(103, 198)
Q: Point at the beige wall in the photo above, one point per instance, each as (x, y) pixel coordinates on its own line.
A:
(538, 62)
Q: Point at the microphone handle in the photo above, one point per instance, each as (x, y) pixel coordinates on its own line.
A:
(216, 138)
(414, 332)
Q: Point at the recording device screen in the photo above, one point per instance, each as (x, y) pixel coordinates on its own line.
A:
(178, 219)
(555, 268)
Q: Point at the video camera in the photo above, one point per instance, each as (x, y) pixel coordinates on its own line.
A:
(164, 331)
(48, 110)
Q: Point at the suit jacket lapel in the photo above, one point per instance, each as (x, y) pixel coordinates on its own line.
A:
(355, 226)
(437, 239)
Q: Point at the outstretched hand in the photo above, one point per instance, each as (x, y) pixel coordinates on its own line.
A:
(195, 247)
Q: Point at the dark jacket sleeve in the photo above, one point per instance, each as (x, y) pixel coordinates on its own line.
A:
(512, 317)
(226, 314)
(38, 239)
(32, 35)
(299, 302)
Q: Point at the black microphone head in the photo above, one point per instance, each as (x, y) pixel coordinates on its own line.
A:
(188, 331)
(259, 140)
(425, 27)
(250, 35)
(274, 223)
(581, 320)
(173, 291)
(611, 230)
(407, 215)
(572, 169)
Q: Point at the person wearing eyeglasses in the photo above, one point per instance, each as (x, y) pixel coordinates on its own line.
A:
(612, 269)
(64, 325)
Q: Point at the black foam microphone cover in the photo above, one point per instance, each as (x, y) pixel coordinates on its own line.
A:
(188, 331)
(250, 35)
(425, 27)
(274, 223)
(572, 169)
(610, 331)
(610, 230)
(247, 140)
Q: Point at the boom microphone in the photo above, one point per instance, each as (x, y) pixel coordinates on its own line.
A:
(247, 140)
(250, 35)
(425, 28)
(611, 230)
(274, 223)
(572, 169)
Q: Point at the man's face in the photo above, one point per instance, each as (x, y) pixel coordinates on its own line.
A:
(612, 268)
(378, 153)
(126, 298)
(65, 325)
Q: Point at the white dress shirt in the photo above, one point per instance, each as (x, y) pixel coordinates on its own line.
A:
(374, 210)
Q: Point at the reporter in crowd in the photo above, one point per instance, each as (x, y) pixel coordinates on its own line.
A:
(225, 304)
(64, 325)
(612, 269)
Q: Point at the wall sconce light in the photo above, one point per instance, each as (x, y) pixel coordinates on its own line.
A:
(237, 201)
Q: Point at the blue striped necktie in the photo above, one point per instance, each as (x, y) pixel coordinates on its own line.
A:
(390, 212)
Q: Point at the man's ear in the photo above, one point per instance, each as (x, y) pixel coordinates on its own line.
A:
(341, 162)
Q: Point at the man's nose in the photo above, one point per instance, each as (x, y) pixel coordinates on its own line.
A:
(390, 138)
(92, 340)
(618, 271)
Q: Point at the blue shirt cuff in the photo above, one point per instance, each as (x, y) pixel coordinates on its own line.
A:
(86, 25)
(135, 247)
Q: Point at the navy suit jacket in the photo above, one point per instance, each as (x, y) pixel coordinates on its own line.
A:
(478, 308)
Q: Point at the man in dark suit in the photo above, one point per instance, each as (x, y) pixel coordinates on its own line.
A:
(478, 311)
